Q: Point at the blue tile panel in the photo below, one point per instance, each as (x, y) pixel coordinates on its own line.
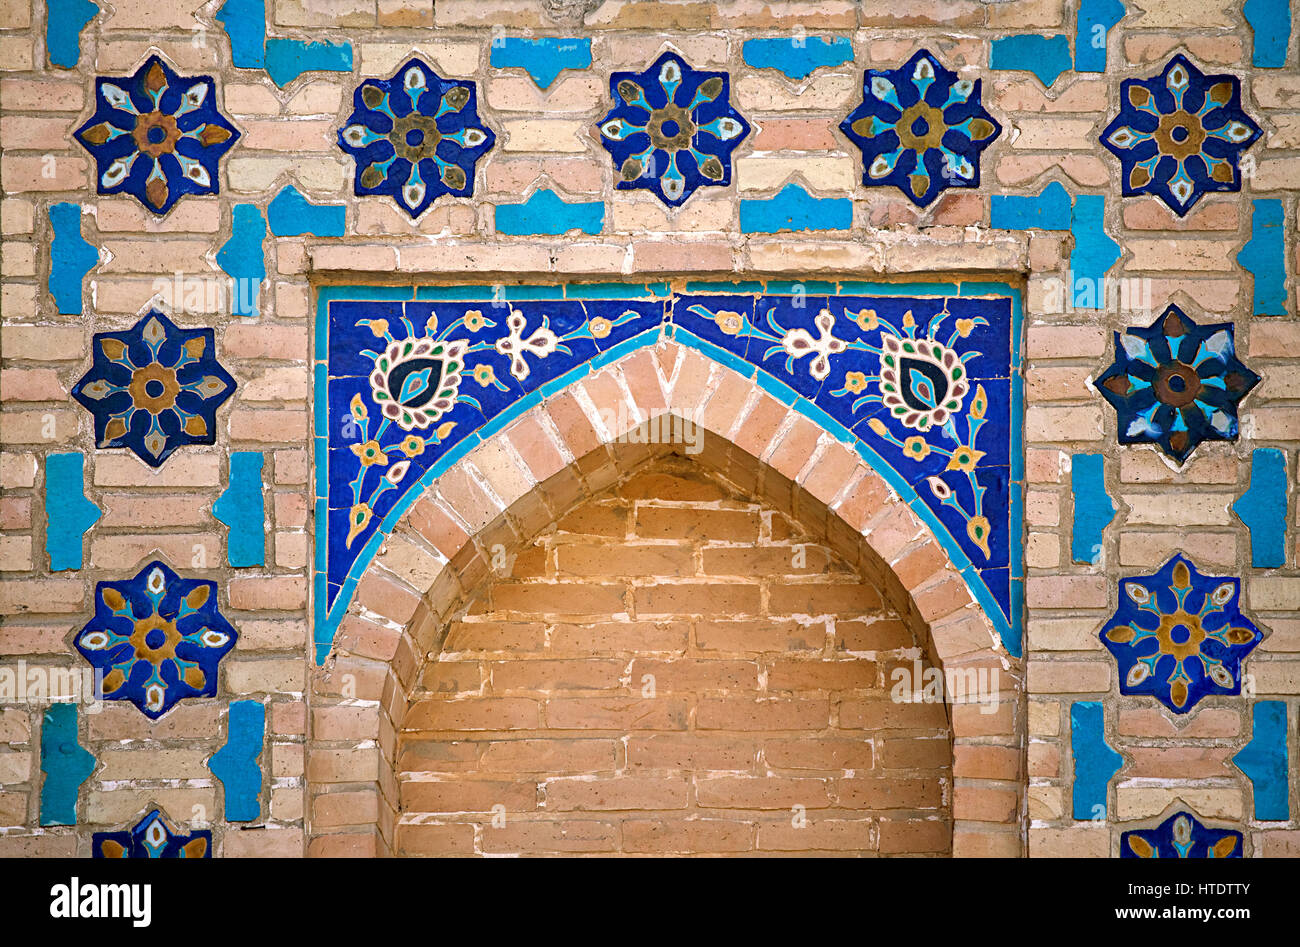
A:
(1271, 22)
(1048, 210)
(65, 763)
(64, 21)
(543, 59)
(71, 258)
(921, 379)
(794, 209)
(1093, 22)
(1263, 508)
(157, 639)
(1093, 255)
(290, 214)
(1159, 121)
(1045, 56)
(1179, 635)
(797, 56)
(545, 213)
(68, 514)
(1093, 507)
(1175, 383)
(243, 259)
(151, 837)
(1181, 836)
(1265, 256)
(156, 135)
(920, 128)
(242, 508)
(672, 129)
(1264, 761)
(283, 59)
(235, 764)
(1095, 762)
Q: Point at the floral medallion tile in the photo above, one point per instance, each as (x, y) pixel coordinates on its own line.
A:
(156, 639)
(415, 137)
(152, 837)
(156, 135)
(1179, 636)
(154, 388)
(1175, 383)
(672, 129)
(1180, 135)
(920, 128)
(1181, 836)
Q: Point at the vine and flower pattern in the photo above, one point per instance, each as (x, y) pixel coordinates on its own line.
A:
(1181, 836)
(924, 381)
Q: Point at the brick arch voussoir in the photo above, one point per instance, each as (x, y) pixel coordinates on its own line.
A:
(572, 447)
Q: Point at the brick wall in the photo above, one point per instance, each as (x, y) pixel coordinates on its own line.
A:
(732, 697)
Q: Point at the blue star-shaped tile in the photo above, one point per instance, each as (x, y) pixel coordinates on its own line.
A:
(1176, 384)
(672, 129)
(1179, 635)
(156, 638)
(152, 837)
(415, 137)
(920, 128)
(1180, 134)
(1180, 836)
(156, 135)
(154, 388)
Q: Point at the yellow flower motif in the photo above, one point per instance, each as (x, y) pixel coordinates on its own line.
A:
(412, 446)
(964, 459)
(358, 517)
(431, 324)
(867, 320)
(908, 320)
(878, 426)
(358, 408)
(379, 327)
(370, 453)
(980, 404)
(600, 327)
(443, 430)
(977, 528)
(965, 327)
(474, 320)
(916, 448)
(730, 323)
(855, 382)
(484, 375)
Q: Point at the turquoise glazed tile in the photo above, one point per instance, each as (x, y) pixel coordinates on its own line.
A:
(154, 388)
(1179, 635)
(920, 129)
(1263, 508)
(545, 213)
(1271, 22)
(242, 508)
(243, 259)
(1180, 836)
(798, 57)
(1045, 56)
(543, 59)
(157, 639)
(1093, 21)
(1176, 384)
(1264, 761)
(1180, 135)
(1095, 762)
(794, 209)
(151, 837)
(65, 763)
(1093, 507)
(287, 59)
(672, 129)
(71, 258)
(1265, 256)
(290, 214)
(1048, 210)
(68, 514)
(64, 21)
(245, 23)
(156, 135)
(415, 137)
(235, 764)
(1094, 252)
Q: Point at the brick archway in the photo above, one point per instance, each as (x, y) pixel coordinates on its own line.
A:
(558, 455)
